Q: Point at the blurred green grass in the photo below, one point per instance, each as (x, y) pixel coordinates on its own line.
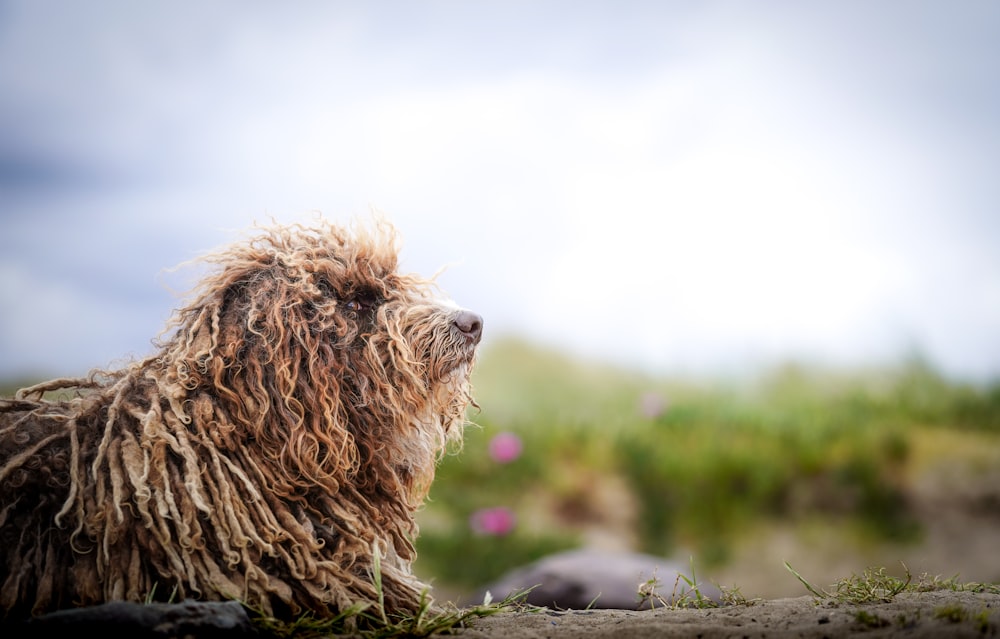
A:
(701, 461)
(686, 466)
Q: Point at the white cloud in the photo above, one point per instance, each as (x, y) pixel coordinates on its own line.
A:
(732, 186)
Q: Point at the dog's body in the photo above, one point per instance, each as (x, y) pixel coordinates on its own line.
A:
(285, 431)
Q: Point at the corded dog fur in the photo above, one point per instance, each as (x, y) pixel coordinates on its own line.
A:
(285, 431)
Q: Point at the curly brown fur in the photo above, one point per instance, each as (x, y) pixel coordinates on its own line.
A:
(286, 429)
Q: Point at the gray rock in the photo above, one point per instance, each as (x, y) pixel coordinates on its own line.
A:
(579, 579)
(187, 619)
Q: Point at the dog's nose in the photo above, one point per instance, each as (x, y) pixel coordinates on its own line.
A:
(470, 324)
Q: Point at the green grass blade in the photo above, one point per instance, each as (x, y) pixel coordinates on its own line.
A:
(809, 586)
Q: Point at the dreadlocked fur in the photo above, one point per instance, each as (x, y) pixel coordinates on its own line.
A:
(284, 432)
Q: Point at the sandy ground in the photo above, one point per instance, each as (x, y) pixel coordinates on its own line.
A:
(939, 614)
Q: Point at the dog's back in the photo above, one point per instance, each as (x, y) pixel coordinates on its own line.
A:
(37, 458)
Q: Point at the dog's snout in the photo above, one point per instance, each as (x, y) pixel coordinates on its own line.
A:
(470, 324)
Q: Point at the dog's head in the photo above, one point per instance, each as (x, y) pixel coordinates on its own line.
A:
(316, 351)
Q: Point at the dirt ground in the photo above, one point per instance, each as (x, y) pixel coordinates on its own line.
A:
(938, 614)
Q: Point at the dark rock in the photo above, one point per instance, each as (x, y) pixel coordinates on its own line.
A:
(579, 579)
(122, 619)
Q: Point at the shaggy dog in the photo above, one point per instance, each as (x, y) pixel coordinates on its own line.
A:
(273, 450)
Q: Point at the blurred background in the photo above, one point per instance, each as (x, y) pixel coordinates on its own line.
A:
(738, 261)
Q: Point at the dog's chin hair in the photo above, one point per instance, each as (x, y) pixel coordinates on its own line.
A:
(449, 417)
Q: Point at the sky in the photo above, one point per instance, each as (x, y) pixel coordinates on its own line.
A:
(682, 187)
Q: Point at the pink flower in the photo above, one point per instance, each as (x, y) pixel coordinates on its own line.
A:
(505, 448)
(652, 405)
(492, 521)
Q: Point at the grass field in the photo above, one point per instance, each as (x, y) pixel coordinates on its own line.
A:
(694, 468)
(832, 470)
